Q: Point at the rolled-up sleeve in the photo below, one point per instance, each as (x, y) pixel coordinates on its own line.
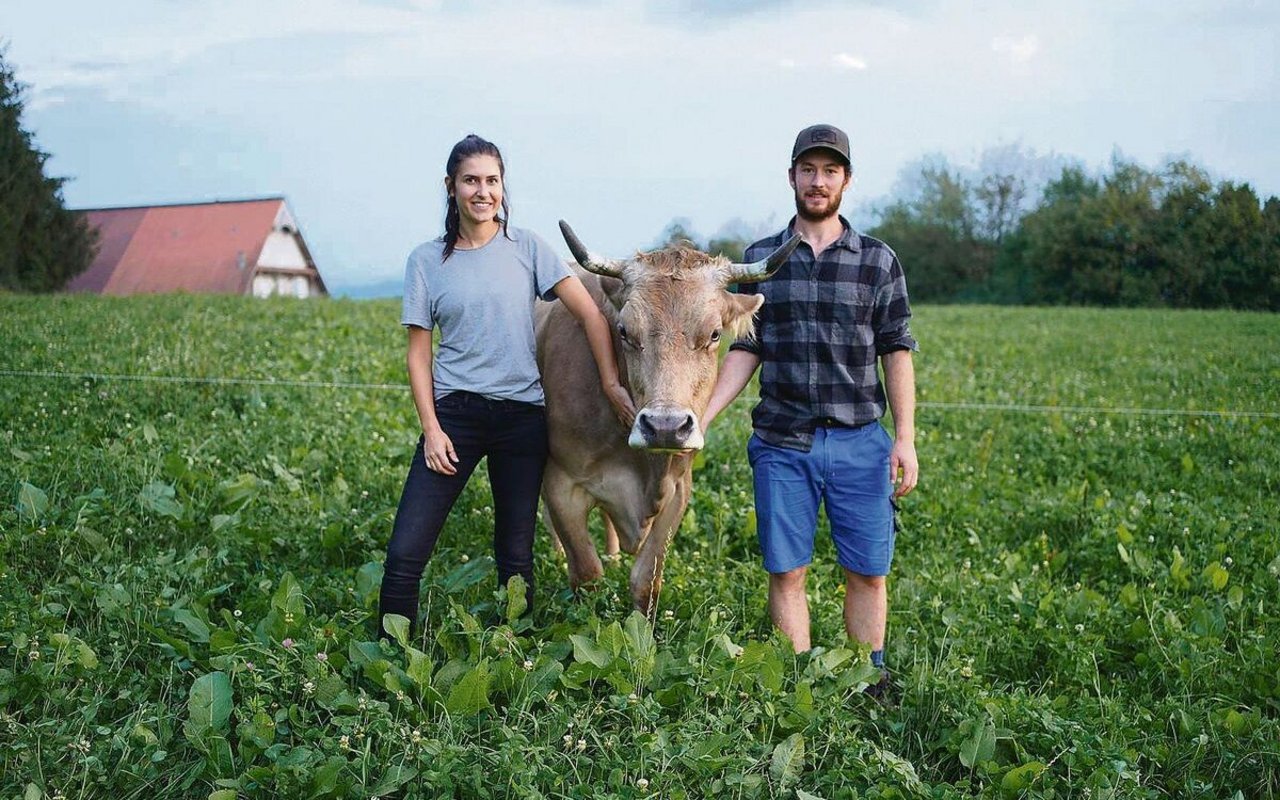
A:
(892, 316)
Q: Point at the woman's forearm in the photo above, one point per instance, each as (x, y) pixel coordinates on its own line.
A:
(418, 361)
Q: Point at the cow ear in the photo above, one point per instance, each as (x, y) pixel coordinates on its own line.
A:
(616, 290)
(740, 312)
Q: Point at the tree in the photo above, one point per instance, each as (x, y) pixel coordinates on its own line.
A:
(736, 235)
(678, 231)
(42, 243)
(933, 229)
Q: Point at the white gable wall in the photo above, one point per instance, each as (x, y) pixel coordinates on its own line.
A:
(281, 261)
(281, 250)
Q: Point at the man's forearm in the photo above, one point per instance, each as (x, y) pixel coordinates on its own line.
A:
(900, 386)
(735, 374)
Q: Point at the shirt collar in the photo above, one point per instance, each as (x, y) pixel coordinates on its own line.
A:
(849, 239)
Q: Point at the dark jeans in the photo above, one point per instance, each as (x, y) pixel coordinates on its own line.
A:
(513, 436)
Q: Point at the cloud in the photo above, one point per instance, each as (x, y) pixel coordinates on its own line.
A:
(691, 11)
(846, 61)
(1018, 51)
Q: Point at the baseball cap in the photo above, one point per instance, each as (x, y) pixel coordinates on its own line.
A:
(825, 136)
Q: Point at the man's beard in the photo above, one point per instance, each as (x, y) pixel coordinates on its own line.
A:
(827, 212)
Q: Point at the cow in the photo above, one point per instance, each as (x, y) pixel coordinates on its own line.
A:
(669, 311)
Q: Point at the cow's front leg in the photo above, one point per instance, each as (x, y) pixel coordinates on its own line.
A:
(646, 573)
(567, 506)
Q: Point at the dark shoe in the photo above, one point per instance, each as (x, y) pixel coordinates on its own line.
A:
(883, 691)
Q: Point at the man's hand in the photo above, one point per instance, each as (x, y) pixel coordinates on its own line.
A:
(904, 470)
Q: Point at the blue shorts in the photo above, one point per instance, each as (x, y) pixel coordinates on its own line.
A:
(847, 470)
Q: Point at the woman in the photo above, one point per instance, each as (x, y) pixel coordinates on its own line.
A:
(481, 395)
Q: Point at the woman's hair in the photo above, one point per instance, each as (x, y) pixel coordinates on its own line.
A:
(471, 145)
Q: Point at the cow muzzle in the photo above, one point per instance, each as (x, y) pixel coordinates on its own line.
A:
(666, 429)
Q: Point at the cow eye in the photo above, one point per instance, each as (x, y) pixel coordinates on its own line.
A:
(622, 331)
(715, 338)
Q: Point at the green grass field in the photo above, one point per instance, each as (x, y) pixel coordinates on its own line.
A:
(1086, 597)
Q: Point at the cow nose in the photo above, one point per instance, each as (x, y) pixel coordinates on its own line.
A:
(666, 429)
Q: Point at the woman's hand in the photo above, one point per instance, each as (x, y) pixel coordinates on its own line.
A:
(623, 408)
(437, 448)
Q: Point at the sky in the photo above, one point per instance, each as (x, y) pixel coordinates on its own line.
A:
(617, 116)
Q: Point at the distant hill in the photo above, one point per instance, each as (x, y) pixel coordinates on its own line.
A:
(369, 291)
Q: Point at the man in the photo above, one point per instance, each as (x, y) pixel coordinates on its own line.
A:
(837, 305)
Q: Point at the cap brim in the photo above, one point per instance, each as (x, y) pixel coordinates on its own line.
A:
(813, 147)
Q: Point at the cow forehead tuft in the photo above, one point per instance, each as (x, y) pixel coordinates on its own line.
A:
(677, 261)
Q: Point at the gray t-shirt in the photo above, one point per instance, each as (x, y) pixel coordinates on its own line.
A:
(482, 301)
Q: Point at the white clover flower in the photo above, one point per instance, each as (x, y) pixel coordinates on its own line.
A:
(1079, 627)
(237, 613)
(308, 688)
(322, 656)
(668, 614)
(465, 558)
(642, 783)
(528, 665)
(582, 745)
(344, 741)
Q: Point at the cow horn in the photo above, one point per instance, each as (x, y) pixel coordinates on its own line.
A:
(589, 261)
(759, 270)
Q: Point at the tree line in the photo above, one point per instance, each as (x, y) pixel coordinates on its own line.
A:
(1042, 230)
(1131, 236)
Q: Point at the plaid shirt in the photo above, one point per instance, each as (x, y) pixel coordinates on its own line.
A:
(823, 324)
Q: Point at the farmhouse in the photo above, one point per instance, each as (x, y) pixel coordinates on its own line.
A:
(228, 247)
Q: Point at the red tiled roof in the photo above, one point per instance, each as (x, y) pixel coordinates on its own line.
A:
(200, 248)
